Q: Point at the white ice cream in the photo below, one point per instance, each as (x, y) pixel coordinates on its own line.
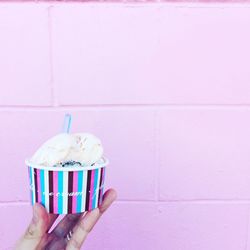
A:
(82, 147)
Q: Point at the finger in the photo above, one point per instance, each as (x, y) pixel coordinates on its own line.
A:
(55, 238)
(66, 224)
(55, 244)
(52, 219)
(52, 238)
(46, 239)
(36, 229)
(109, 197)
(87, 222)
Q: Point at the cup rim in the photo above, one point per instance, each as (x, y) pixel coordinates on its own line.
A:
(68, 169)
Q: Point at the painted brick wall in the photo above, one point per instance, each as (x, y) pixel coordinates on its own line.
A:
(166, 87)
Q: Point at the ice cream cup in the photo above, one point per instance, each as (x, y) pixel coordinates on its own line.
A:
(67, 190)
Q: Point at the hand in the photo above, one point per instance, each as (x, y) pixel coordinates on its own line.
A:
(69, 234)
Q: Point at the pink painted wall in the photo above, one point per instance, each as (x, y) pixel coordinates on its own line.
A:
(166, 87)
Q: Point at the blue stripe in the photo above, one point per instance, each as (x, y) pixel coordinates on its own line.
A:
(31, 185)
(60, 191)
(79, 189)
(42, 186)
(96, 189)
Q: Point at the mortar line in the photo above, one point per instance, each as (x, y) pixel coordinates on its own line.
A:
(124, 201)
(177, 3)
(110, 106)
(13, 203)
(228, 202)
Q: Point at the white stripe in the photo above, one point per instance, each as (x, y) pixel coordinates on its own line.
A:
(98, 187)
(46, 189)
(33, 186)
(84, 187)
(65, 192)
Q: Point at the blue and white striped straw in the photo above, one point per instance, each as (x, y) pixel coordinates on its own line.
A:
(67, 123)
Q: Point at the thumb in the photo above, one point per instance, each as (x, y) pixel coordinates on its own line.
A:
(35, 230)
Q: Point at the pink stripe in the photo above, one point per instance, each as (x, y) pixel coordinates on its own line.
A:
(55, 190)
(92, 189)
(75, 186)
(39, 196)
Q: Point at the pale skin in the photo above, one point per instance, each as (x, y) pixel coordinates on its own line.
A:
(37, 236)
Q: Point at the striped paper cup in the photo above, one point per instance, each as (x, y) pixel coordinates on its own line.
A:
(67, 190)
